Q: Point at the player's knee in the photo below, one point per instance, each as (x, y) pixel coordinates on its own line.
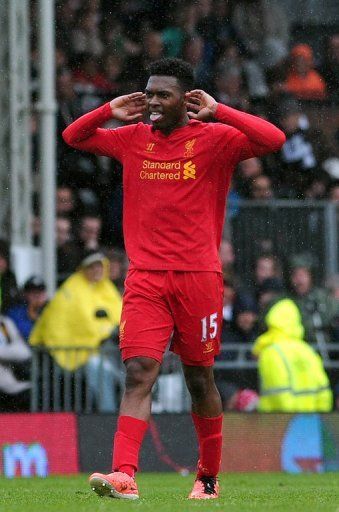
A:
(140, 375)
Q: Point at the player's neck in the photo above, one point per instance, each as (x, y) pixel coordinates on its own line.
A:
(179, 124)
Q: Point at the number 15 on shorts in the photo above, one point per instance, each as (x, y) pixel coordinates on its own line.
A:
(209, 327)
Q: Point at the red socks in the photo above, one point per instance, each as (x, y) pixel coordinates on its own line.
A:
(127, 444)
(131, 432)
(209, 432)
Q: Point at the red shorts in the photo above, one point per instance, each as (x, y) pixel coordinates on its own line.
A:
(157, 304)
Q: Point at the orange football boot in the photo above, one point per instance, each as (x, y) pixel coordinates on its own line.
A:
(205, 488)
(114, 485)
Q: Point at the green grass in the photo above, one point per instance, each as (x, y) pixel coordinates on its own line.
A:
(167, 493)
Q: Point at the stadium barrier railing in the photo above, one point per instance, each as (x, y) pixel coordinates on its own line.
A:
(239, 356)
(97, 386)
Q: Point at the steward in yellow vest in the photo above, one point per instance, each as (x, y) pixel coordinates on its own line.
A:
(292, 375)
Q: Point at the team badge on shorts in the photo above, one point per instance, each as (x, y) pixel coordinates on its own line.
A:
(208, 347)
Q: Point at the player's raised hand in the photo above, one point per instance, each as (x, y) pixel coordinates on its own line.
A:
(200, 105)
(129, 107)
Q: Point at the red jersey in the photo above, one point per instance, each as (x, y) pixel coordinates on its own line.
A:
(175, 186)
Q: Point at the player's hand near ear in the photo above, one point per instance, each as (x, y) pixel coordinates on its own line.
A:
(200, 105)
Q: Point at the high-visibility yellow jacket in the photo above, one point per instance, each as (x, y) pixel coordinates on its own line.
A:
(71, 319)
(292, 375)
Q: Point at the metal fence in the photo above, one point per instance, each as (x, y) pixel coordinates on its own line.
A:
(286, 228)
(97, 385)
(239, 356)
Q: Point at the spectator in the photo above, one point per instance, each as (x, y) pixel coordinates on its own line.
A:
(85, 36)
(243, 327)
(228, 304)
(292, 376)
(67, 252)
(230, 90)
(113, 69)
(88, 79)
(243, 226)
(193, 53)
(65, 17)
(317, 189)
(336, 396)
(333, 191)
(117, 43)
(261, 188)
(266, 266)
(303, 81)
(69, 108)
(26, 312)
(263, 30)
(69, 104)
(206, 26)
(14, 368)
(61, 61)
(8, 286)
(152, 49)
(330, 68)
(232, 207)
(89, 234)
(247, 171)
(227, 258)
(84, 312)
(319, 310)
(237, 399)
(65, 202)
(223, 28)
(302, 154)
(251, 73)
(183, 26)
(332, 284)
(117, 267)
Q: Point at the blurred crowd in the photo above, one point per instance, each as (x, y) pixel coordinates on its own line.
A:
(246, 55)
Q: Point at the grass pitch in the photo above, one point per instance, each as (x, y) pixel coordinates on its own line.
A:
(167, 493)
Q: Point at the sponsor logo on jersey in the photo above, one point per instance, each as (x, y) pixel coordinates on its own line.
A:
(150, 147)
(167, 170)
(189, 148)
(189, 170)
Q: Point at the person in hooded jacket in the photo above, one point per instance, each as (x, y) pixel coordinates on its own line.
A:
(84, 312)
(292, 375)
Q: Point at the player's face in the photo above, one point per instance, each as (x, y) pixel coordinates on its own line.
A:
(165, 101)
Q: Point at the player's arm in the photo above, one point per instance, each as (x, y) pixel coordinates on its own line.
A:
(262, 136)
(85, 132)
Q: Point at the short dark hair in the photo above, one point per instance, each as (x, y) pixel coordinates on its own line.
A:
(177, 68)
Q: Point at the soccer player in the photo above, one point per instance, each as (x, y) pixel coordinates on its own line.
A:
(176, 174)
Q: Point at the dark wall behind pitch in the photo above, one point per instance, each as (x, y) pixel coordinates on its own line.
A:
(170, 443)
